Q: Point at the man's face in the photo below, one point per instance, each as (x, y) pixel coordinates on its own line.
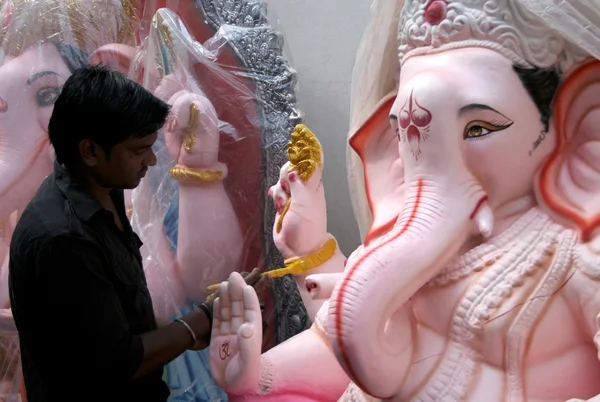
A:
(126, 164)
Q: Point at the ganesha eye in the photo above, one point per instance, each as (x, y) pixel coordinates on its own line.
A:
(47, 96)
(477, 129)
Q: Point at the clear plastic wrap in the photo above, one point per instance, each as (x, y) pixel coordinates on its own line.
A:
(41, 43)
(227, 61)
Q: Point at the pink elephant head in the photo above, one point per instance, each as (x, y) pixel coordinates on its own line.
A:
(492, 111)
(42, 42)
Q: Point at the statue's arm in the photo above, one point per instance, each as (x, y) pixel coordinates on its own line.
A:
(303, 366)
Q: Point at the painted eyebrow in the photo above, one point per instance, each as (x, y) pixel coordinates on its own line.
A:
(39, 75)
(478, 106)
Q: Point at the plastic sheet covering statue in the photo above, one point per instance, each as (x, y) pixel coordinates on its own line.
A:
(41, 43)
(246, 44)
(201, 211)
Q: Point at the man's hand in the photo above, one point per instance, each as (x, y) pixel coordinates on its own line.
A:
(253, 279)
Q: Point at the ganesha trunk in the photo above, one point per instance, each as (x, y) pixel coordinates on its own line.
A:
(443, 206)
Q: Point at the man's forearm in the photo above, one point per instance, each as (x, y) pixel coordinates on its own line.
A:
(164, 345)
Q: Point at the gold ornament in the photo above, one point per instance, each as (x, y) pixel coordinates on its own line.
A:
(304, 152)
(190, 138)
(189, 175)
(297, 266)
(286, 208)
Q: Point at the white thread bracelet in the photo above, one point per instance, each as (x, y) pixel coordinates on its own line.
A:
(185, 324)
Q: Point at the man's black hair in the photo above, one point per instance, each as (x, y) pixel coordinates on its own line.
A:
(105, 107)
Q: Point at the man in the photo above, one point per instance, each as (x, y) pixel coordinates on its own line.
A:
(77, 287)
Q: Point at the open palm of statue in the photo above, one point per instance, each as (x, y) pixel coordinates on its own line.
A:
(237, 335)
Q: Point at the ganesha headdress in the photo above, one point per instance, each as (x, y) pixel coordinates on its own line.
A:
(84, 24)
(531, 33)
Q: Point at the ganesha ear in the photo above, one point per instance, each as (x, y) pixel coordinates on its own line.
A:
(568, 184)
(114, 55)
(376, 144)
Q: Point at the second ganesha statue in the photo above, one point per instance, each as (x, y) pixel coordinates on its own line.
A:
(475, 169)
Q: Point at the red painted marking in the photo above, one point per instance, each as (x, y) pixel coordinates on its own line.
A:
(376, 232)
(279, 204)
(348, 278)
(414, 123)
(284, 186)
(224, 351)
(435, 12)
(413, 133)
(570, 90)
(479, 205)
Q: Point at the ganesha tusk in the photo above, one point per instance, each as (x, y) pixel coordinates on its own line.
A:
(484, 220)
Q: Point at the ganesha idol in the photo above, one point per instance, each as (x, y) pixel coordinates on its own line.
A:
(41, 43)
(475, 168)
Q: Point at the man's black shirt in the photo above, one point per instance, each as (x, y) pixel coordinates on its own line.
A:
(79, 298)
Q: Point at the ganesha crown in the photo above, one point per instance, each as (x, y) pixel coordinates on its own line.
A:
(429, 26)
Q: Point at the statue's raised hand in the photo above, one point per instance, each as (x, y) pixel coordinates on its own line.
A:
(235, 345)
(192, 128)
(299, 198)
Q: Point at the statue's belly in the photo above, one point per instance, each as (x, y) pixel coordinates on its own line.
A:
(574, 373)
(475, 363)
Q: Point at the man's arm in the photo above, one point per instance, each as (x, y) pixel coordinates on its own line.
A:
(165, 344)
(80, 320)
